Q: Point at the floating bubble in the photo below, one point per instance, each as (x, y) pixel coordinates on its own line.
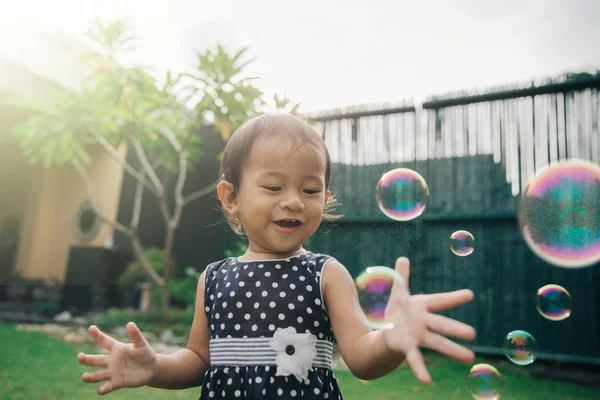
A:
(462, 243)
(485, 382)
(520, 347)
(553, 302)
(402, 194)
(374, 288)
(559, 214)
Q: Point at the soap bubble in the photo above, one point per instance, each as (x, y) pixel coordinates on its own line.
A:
(462, 243)
(402, 194)
(485, 382)
(559, 214)
(374, 288)
(553, 302)
(520, 347)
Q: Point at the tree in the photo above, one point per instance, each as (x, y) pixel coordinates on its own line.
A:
(126, 106)
(224, 95)
(283, 104)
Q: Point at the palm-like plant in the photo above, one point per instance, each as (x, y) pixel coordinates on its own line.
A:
(224, 94)
(284, 104)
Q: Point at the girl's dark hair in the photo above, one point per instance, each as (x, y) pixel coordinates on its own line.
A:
(241, 142)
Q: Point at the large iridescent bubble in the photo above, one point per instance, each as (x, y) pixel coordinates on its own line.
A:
(559, 214)
(402, 194)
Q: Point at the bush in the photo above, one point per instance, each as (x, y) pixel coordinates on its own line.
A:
(240, 248)
(183, 291)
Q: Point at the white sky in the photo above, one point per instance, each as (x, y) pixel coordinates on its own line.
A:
(326, 53)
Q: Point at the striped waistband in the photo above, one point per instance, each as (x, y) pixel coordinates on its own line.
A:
(256, 351)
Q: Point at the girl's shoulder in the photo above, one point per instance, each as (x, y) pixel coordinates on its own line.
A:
(212, 269)
(313, 261)
(317, 258)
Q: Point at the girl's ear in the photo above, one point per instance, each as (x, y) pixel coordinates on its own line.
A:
(327, 194)
(226, 193)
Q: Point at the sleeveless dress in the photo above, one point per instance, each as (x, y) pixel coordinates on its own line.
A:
(270, 335)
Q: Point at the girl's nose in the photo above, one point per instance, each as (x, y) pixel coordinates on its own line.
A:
(292, 203)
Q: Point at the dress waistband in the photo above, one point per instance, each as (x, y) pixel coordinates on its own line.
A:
(257, 351)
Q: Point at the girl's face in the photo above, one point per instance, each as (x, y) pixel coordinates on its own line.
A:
(282, 195)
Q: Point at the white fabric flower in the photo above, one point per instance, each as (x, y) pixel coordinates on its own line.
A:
(295, 352)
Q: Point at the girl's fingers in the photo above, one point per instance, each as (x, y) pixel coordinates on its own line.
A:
(135, 335)
(442, 301)
(107, 387)
(402, 267)
(96, 376)
(417, 365)
(450, 327)
(92, 360)
(446, 346)
(102, 338)
(399, 294)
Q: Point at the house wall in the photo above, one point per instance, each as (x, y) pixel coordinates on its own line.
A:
(53, 200)
(15, 182)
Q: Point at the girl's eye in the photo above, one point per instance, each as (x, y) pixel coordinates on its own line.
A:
(311, 191)
(272, 188)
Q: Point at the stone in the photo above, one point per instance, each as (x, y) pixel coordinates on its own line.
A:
(64, 316)
(167, 336)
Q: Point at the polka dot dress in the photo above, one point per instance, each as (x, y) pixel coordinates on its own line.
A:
(247, 304)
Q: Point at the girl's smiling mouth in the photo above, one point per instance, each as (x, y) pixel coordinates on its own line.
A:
(287, 224)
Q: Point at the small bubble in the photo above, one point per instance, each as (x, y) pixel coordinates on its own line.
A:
(484, 382)
(402, 194)
(374, 288)
(553, 302)
(462, 243)
(520, 347)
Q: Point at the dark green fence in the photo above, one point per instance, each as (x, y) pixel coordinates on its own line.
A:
(477, 153)
(502, 272)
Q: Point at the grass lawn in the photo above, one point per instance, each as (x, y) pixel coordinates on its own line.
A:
(35, 366)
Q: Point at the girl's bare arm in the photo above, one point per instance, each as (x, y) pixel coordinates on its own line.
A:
(186, 367)
(363, 349)
(371, 354)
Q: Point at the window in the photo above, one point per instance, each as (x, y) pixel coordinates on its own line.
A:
(87, 223)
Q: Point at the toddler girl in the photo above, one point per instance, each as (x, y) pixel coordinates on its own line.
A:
(265, 322)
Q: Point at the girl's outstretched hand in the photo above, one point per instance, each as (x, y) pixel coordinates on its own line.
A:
(414, 324)
(127, 365)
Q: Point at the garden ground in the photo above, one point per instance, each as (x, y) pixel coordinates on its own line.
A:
(35, 366)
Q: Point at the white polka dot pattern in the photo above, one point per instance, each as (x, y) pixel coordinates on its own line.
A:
(261, 297)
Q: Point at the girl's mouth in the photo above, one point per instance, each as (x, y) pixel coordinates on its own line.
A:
(287, 225)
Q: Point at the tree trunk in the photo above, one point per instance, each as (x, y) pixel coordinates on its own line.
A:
(167, 251)
(145, 297)
(165, 300)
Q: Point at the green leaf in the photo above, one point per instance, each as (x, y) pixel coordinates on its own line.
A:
(82, 155)
(28, 104)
